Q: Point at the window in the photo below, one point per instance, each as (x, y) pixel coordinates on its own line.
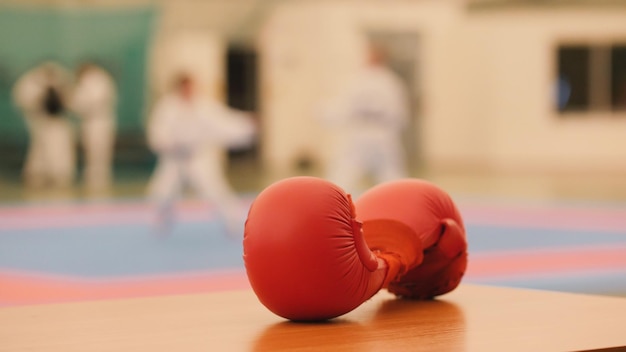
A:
(573, 80)
(591, 78)
(618, 77)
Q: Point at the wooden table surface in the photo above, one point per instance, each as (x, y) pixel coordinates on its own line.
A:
(472, 318)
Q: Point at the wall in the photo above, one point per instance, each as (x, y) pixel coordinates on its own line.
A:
(200, 53)
(486, 82)
(311, 48)
(304, 50)
(513, 65)
(486, 76)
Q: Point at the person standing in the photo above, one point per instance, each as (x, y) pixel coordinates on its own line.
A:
(94, 101)
(186, 130)
(369, 117)
(41, 94)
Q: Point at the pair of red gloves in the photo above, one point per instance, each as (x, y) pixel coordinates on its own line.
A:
(312, 254)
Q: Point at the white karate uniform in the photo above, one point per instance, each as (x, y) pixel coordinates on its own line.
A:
(51, 155)
(369, 117)
(188, 137)
(94, 101)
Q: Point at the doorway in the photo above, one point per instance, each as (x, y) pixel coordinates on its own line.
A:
(241, 92)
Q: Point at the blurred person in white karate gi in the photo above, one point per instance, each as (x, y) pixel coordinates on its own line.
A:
(42, 96)
(94, 101)
(369, 116)
(187, 131)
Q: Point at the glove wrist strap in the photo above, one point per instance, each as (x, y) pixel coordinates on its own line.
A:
(396, 243)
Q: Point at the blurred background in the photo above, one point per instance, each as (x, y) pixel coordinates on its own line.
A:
(516, 107)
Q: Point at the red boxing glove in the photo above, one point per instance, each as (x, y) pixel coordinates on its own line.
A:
(304, 252)
(434, 219)
(307, 259)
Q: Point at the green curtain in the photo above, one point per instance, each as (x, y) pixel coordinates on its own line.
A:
(116, 38)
